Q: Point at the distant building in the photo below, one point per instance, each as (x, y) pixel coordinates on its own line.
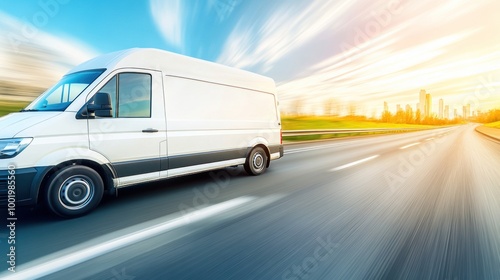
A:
(421, 104)
(447, 112)
(398, 108)
(386, 107)
(428, 105)
(409, 113)
(441, 108)
(455, 113)
(465, 113)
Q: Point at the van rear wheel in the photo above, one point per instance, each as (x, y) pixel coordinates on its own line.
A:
(256, 163)
(74, 191)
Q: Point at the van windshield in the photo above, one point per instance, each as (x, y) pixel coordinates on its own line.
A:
(60, 96)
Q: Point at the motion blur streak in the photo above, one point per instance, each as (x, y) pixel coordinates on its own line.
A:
(376, 50)
(68, 260)
(31, 60)
(426, 212)
(167, 14)
(361, 52)
(264, 42)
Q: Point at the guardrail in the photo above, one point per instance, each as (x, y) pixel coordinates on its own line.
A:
(288, 133)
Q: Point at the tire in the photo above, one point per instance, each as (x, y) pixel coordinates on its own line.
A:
(74, 191)
(256, 162)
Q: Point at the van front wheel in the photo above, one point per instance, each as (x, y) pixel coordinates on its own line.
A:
(74, 191)
(256, 163)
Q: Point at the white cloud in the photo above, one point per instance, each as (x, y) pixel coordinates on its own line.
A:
(167, 15)
(262, 42)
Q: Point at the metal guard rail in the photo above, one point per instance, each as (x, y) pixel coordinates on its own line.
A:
(288, 133)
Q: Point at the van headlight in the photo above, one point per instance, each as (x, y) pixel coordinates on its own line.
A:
(10, 148)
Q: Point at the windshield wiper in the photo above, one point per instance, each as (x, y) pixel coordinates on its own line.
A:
(29, 110)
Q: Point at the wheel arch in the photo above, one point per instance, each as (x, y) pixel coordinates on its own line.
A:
(268, 153)
(260, 142)
(106, 173)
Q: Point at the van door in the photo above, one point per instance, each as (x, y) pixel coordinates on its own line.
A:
(133, 137)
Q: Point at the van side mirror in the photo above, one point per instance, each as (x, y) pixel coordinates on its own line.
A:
(101, 106)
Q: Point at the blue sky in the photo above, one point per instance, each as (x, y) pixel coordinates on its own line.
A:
(361, 52)
(108, 26)
(104, 25)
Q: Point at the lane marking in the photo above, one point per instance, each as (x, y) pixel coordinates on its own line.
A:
(354, 163)
(430, 139)
(71, 259)
(408, 146)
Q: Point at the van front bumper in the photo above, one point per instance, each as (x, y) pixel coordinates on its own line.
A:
(21, 185)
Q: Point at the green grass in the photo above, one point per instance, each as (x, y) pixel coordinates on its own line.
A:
(305, 123)
(301, 123)
(494, 125)
(7, 107)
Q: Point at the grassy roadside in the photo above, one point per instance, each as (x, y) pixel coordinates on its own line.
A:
(7, 107)
(494, 125)
(299, 123)
(304, 123)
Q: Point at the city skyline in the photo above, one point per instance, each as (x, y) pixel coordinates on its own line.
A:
(425, 108)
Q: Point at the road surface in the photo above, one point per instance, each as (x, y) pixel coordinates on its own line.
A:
(420, 205)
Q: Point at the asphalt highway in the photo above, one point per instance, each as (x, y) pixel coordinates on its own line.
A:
(419, 205)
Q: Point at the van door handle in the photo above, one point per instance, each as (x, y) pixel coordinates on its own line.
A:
(150, 130)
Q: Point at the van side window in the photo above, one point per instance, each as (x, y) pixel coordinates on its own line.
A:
(130, 95)
(134, 95)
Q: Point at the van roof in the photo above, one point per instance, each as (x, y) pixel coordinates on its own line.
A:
(178, 65)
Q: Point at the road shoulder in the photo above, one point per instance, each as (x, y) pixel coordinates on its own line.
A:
(489, 131)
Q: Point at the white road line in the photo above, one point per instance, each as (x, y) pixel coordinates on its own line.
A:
(408, 146)
(430, 139)
(354, 163)
(71, 259)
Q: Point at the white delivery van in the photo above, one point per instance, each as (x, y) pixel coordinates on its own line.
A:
(135, 116)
